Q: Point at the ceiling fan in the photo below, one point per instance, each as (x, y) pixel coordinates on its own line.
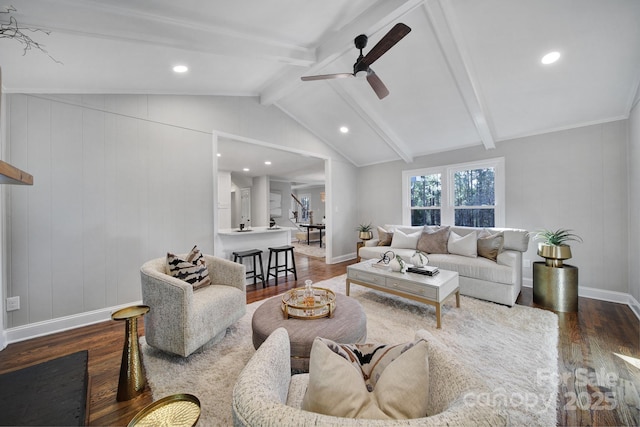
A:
(363, 62)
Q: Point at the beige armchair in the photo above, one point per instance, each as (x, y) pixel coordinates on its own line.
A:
(266, 394)
(180, 321)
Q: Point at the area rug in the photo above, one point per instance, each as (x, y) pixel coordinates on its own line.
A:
(514, 349)
(313, 250)
(52, 393)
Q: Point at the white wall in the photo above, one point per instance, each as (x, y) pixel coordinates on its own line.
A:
(574, 179)
(634, 202)
(119, 179)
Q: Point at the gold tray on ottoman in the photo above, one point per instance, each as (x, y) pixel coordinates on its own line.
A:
(293, 304)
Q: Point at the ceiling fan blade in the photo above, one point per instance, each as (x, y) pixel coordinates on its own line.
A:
(390, 39)
(376, 84)
(326, 76)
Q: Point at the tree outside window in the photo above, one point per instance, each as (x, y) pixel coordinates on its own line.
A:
(469, 194)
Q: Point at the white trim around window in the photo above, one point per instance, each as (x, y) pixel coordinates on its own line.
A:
(447, 213)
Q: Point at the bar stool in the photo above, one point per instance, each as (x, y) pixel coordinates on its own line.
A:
(253, 253)
(279, 267)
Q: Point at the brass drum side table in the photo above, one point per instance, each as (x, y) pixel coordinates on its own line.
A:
(132, 376)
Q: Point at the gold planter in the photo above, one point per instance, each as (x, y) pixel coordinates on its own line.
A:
(554, 255)
(365, 235)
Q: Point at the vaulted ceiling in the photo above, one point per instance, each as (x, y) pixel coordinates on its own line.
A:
(469, 72)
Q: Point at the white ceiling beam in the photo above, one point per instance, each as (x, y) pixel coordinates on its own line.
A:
(159, 30)
(373, 120)
(442, 18)
(337, 44)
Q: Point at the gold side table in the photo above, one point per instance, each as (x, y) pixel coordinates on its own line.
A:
(556, 288)
(132, 376)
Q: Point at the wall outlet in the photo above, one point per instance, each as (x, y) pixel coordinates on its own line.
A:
(526, 263)
(13, 303)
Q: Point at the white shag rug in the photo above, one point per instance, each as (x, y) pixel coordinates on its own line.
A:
(514, 349)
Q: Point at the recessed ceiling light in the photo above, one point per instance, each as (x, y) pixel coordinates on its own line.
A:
(245, 169)
(180, 68)
(267, 162)
(550, 58)
(219, 154)
(344, 129)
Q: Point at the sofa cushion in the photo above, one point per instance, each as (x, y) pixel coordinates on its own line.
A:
(402, 240)
(463, 245)
(477, 268)
(434, 240)
(372, 381)
(490, 245)
(384, 237)
(192, 269)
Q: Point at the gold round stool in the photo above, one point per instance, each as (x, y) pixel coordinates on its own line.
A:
(177, 410)
(132, 377)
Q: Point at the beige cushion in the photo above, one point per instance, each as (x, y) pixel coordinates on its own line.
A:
(402, 240)
(434, 242)
(339, 377)
(463, 245)
(192, 269)
(384, 237)
(490, 245)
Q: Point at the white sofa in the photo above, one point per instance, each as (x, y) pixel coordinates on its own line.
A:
(499, 281)
(266, 394)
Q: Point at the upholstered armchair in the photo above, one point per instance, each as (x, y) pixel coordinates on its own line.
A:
(266, 394)
(182, 320)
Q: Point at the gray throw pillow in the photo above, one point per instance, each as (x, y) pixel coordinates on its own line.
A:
(434, 242)
(490, 246)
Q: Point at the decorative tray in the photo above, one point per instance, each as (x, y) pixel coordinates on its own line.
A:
(177, 410)
(294, 304)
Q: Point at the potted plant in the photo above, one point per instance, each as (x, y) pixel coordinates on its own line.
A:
(364, 231)
(553, 245)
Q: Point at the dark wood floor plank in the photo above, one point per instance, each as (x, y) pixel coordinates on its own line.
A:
(587, 343)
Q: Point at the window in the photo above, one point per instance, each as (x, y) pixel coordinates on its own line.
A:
(305, 200)
(469, 194)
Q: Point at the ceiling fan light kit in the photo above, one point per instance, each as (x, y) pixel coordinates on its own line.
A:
(362, 66)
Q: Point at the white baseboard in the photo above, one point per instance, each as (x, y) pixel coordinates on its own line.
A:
(47, 327)
(602, 295)
(343, 258)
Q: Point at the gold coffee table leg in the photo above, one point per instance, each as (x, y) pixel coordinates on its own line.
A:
(132, 377)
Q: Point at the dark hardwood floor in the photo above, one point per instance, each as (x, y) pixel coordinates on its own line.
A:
(598, 386)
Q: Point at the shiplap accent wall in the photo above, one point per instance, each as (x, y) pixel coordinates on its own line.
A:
(110, 192)
(120, 179)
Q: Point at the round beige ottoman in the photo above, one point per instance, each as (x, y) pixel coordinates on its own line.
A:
(348, 325)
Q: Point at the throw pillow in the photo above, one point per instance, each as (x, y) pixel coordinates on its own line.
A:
(490, 245)
(402, 240)
(192, 269)
(372, 381)
(434, 242)
(384, 237)
(463, 245)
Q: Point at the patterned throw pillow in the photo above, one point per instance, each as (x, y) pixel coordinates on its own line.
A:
(192, 270)
(434, 242)
(385, 237)
(371, 381)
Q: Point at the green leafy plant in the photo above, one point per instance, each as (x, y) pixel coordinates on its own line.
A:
(364, 227)
(557, 237)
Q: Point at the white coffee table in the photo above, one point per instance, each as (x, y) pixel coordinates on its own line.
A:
(427, 289)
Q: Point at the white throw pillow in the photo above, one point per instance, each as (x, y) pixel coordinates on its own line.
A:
(396, 385)
(405, 241)
(463, 245)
